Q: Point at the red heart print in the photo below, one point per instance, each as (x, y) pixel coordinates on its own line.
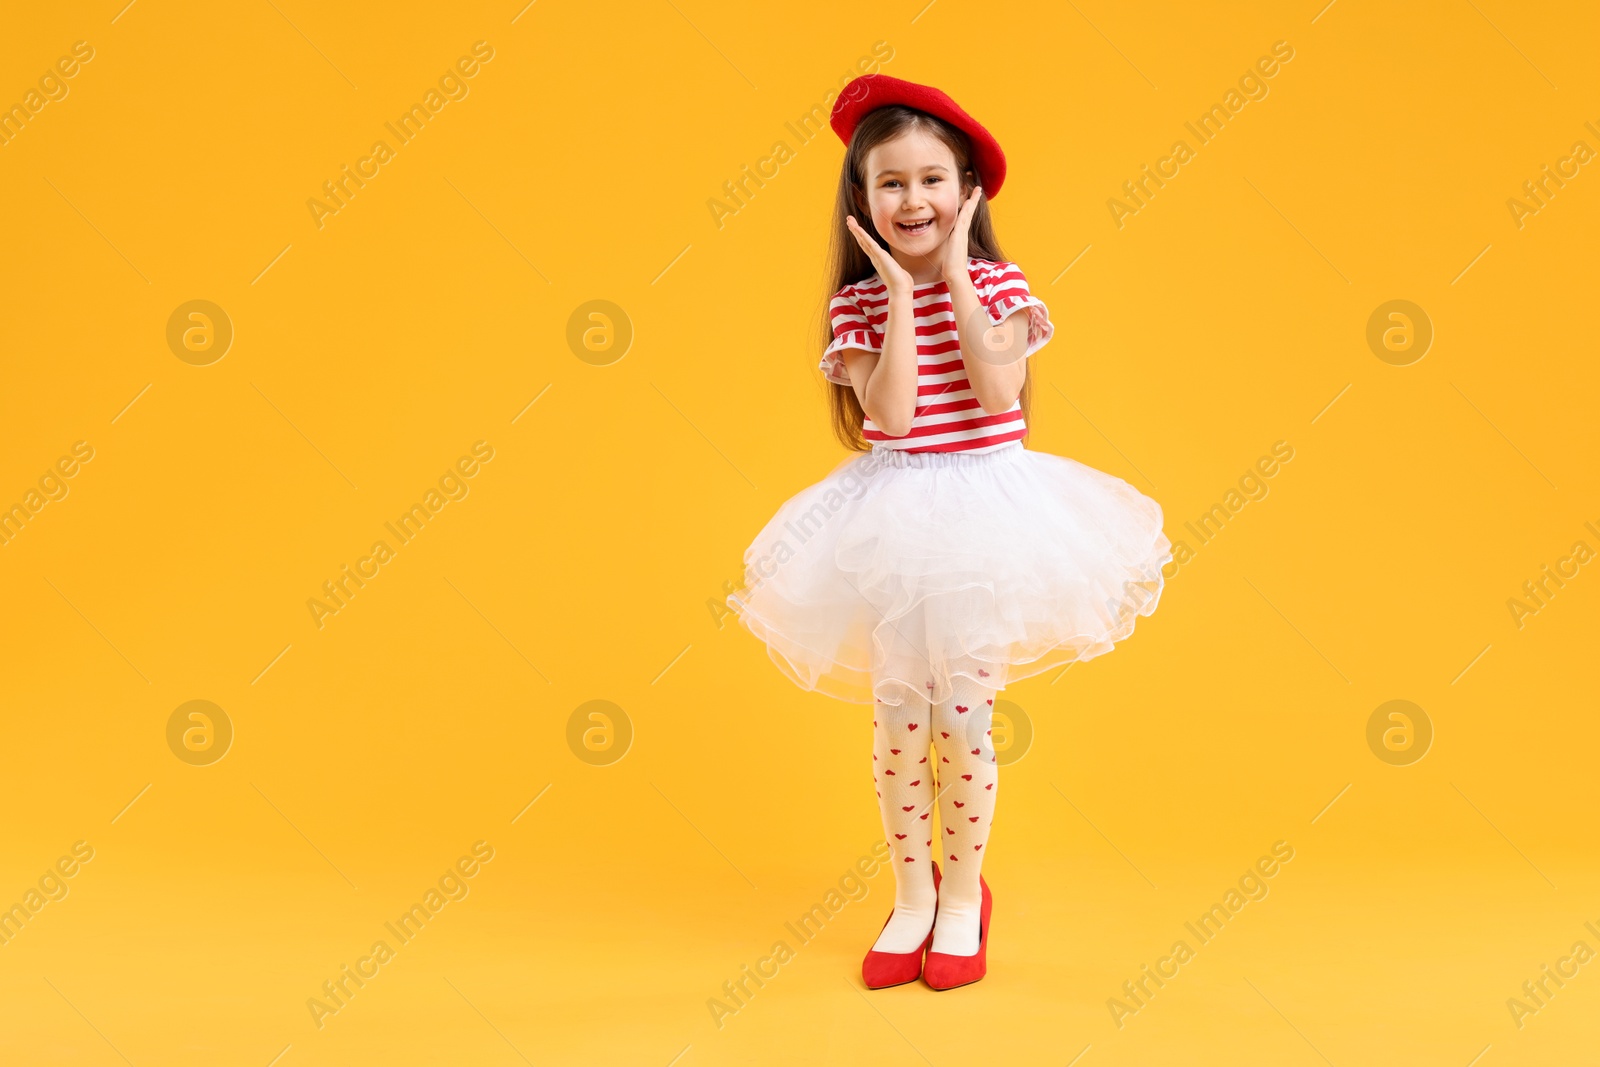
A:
(961, 711)
(974, 752)
(888, 770)
(917, 782)
(988, 732)
(952, 855)
(948, 830)
(959, 804)
(943, 734)
(987, 702)
(880, 795)
(989, 786)
(945, 758)
(927, 842)
(908, 859)
(976, 847)
(911, 726)
(908, 807)
(972, 818)
(982, 673)
(924, 759)
(960, 708)
(901, 836)
(924, 815)
(892, 752)
(967, 777)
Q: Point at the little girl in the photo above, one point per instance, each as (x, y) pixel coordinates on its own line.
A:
(945, 559)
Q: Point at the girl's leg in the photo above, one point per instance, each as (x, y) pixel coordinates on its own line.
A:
(902, 770)
(968, 781)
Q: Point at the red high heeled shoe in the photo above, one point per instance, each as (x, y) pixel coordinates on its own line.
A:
(883, 969)
(944, 971)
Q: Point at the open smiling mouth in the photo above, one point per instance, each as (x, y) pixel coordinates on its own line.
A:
(913, 228)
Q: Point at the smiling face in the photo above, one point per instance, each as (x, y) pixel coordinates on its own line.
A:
(913, 197)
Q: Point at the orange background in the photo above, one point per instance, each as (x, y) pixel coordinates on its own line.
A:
(433, 711)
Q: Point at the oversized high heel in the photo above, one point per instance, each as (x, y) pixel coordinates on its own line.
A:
(883, 969)
(945, 971)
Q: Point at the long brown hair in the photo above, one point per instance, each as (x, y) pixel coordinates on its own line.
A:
(848, 263)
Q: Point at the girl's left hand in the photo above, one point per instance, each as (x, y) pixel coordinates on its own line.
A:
(954, 263)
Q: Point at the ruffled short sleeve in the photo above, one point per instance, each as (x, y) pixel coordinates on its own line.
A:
(850, 330)
(1006, 290)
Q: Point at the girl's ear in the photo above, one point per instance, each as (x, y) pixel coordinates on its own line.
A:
(863, 210)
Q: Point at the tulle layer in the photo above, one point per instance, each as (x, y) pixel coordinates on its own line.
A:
(899, 571)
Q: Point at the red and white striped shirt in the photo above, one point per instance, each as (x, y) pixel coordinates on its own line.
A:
(948, 417)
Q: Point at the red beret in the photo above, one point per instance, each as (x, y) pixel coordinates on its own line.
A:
(872, 91)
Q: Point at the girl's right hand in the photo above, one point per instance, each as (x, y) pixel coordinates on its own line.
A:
(896, 279)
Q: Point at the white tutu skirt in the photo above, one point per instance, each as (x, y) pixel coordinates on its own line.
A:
(900, 571)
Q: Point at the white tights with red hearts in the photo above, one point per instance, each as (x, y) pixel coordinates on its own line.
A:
(962, 768)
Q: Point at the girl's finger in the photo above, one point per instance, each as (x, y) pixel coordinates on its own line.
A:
(868, 245)
(858, 233)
